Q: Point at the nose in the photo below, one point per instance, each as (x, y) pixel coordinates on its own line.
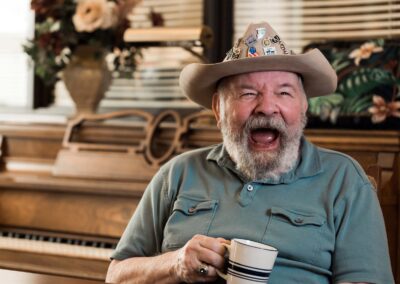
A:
(267, 105)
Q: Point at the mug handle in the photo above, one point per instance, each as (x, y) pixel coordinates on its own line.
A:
(220, 273)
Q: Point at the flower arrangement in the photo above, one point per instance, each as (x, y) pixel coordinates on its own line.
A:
(368, 82)
(63, 25)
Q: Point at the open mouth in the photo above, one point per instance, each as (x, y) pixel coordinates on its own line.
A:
(264, 136)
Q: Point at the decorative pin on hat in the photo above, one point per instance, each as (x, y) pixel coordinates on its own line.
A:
(260, 49)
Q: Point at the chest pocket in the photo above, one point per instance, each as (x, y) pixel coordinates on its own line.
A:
(296, 234)
(189, 217)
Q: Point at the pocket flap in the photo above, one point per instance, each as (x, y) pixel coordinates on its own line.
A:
(298, 218)
(191, 206)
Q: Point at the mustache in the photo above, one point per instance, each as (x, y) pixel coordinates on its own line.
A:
(257, 121)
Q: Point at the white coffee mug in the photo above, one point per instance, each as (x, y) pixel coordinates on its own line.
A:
(249, 262)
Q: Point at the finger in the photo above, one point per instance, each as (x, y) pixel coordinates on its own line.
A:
(212, 271)
(210, 250)
(211, 274)
(204, 279)
(214, 244)
(224, 241)
(197, 252)
(211, 257)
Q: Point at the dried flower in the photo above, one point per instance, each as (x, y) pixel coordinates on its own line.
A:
(46, 7)
(156, 18)
(381, 109)
(364, 52)
(63, 25)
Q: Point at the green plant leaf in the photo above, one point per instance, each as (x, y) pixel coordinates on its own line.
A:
(353, 105)
(364, 80)
(338, 64)
(318, 105)
(361, 104)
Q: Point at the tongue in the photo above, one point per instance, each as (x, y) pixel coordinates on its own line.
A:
(263, 136)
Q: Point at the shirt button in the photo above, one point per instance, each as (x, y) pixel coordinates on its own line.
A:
(250, 187)
(299, 221)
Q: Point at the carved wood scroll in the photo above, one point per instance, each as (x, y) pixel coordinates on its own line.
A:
(137, 148)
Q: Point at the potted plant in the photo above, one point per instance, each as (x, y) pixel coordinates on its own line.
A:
(73, 39)
(367, 95)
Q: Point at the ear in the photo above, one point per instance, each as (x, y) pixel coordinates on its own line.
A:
(216, 108)
(305, 104)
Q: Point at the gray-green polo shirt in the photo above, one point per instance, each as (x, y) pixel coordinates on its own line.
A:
(323, 216)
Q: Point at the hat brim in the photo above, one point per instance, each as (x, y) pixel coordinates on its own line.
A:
(199, 81)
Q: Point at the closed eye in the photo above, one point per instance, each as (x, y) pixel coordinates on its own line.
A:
(285, 94)
(248, 95)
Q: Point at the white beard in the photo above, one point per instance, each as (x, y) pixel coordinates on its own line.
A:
(262, 165)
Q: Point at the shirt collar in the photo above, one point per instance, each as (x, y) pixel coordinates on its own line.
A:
(308, 164)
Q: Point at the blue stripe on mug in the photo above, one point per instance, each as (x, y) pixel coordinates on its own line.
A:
(251, 271)
(250, 267)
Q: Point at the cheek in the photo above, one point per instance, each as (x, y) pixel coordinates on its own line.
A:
(238, 114)
(292, 114)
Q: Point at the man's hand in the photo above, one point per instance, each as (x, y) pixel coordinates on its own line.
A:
(172, 267)
(197, 251)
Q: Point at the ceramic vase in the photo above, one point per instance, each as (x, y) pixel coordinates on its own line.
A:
(87, 78)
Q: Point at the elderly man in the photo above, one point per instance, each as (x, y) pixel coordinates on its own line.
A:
(265, 183)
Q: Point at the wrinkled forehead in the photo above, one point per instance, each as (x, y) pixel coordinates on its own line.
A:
(261, 79)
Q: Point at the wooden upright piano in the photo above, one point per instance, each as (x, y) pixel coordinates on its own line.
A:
(67, 224)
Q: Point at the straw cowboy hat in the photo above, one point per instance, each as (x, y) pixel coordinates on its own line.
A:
(260, 49)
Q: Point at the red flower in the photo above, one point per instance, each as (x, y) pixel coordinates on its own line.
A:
(46, 8)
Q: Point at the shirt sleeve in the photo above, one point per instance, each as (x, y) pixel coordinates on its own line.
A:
(361, 251)
(144, 233)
